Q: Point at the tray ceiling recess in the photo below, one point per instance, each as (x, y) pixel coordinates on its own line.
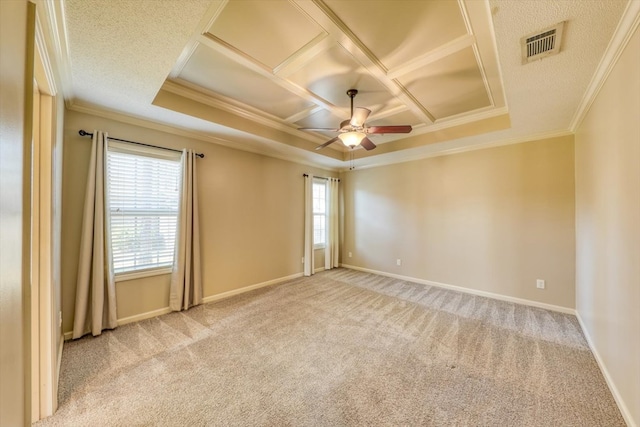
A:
(267, 68)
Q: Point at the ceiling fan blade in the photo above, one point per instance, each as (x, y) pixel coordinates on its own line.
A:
(329, 142)
(367, 144)
(359, 116)
(320, 129)
(345, 125)
(389, 129)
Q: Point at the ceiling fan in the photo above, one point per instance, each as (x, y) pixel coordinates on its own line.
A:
(354, 131)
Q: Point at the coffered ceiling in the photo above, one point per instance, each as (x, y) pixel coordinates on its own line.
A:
(249, 73)
(288, 64)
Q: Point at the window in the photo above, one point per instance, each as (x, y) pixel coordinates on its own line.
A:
(319, 213)
(143, 190)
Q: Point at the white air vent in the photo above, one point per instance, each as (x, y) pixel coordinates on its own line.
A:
(542, 43)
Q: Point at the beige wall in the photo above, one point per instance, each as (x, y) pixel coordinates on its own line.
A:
(251, 210)
(491, 220)
(608, 226)
(16, 71)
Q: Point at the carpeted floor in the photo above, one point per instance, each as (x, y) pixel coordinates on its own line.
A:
(342, 348)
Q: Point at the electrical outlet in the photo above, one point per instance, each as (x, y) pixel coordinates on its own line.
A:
(398, 261)
(540, 284)
(349, 254)
(60, 319)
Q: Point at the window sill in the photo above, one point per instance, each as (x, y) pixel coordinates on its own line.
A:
(318, 247)
(122, 277)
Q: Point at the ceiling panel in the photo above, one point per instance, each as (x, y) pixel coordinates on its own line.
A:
(332, 72)
(215, 72)
(397, 32)
(322, 119)
(402, 118)
(450, 86)
(268, 31)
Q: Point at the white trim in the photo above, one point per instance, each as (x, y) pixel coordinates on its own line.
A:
(193, 92)
(502, 142)
(130, 319)
(431, 56)
(603, 368)
(133, 274)
(209, 17)
(211, 298)
(43, 350)
(626, 27)
(466, 148)
(319, 269)
(486, 294)
(53, 13)
(228, 294)
(143, 316)
(201, 136)
(45, 60)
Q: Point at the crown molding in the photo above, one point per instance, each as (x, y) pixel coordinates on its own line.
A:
(621, 36)
(51, 88)
(210, 16)
(200, 136)
(54, 34)
(455, 45)
(447, 152)
(464, 118)
(198, 94)
(195, 93)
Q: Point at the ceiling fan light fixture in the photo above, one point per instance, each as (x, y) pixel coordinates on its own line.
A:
(351, 139)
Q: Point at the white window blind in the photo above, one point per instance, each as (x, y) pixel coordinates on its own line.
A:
(143, 199)
(319, 213)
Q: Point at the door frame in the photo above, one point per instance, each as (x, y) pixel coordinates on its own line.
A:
(45, 236)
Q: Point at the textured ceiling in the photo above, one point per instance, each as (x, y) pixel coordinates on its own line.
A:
(248, 74)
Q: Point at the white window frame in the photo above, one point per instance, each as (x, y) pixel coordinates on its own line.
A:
(142, 151)
(319, 183)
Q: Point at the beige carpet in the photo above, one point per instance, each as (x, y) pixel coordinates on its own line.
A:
(342, 348)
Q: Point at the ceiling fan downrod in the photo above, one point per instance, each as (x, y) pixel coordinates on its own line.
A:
(352, 94)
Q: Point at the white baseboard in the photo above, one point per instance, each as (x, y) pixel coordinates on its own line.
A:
(607, 377)
(143, 316)
(216, 297)
(467, 290)
(228, 294)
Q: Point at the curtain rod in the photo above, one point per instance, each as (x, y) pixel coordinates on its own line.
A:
(82, 132)
(321, 177)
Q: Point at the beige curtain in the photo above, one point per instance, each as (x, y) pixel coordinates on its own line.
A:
(308, 225)
(331, 251)
(186, 277)
(95, 308)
